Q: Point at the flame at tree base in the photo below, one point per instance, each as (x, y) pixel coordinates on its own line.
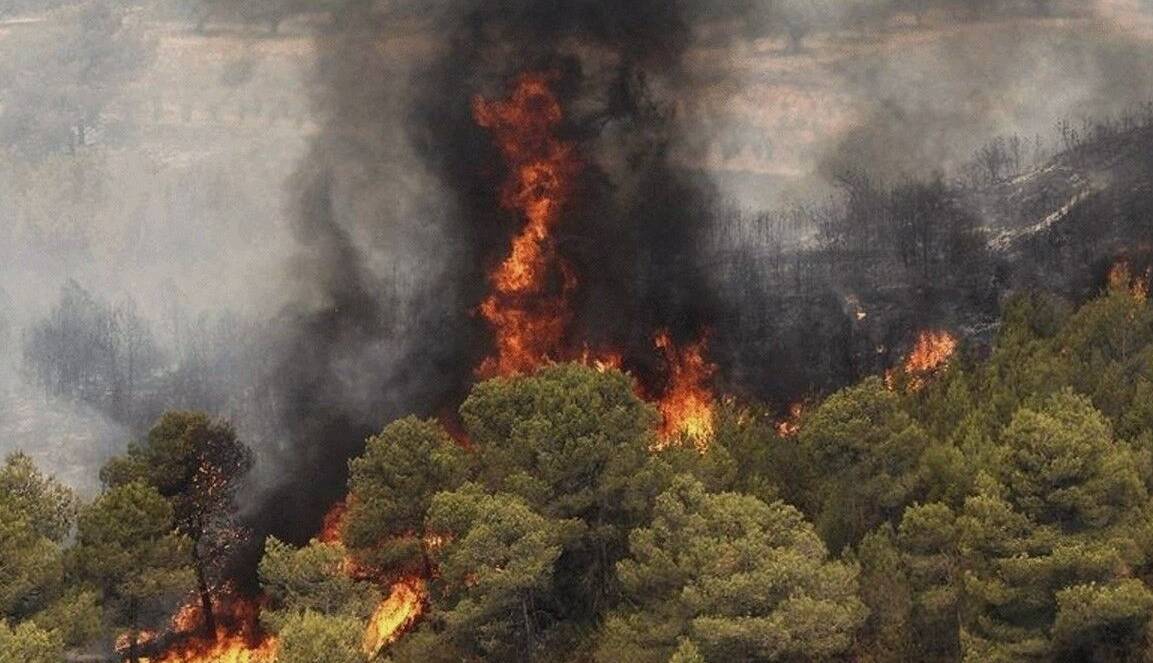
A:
(238, 637)
(227, 648)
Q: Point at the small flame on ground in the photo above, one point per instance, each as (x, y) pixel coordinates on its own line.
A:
(688, 403)
(526, 311)
(227, 648)
(792, 425)
(932, 352)
(1121, 278)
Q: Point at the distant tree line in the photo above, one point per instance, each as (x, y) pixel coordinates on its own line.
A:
(111, 358)
(85, 349)
(838, 284)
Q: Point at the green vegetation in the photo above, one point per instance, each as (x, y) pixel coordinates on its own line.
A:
(998, 510)
(311, 580)
(309, 637)
(127, 548)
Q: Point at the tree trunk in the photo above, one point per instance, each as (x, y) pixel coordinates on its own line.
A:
(528, 641)
(204, 592)
(133, 653)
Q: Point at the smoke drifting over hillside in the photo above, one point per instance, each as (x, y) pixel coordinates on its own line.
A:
(692, 120)
(400, 219)
(935, 109)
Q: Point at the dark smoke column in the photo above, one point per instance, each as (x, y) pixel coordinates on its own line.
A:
(400, 217)
(630, 226)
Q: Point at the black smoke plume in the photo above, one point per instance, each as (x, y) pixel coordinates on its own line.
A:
(399, 218)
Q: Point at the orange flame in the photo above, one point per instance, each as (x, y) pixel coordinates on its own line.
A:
(931, 353)
(933, 350)
(333, 523)
(603, 361)
(406, 600)
(792, 425)
(687, 404)
(527, 319)
(1121, 279)
(395, 615)
(238, 637)
(227, 648)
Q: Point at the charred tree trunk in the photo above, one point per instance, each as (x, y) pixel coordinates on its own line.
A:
(205, 593)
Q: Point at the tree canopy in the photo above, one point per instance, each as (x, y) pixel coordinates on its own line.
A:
(996, 510)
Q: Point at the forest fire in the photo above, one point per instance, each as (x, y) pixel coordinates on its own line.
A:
(1121, 278)
(932, 351)
(687, 404)
(529, 311)
(395, 615)
(528, 308)
(790, 426)
(238, 637)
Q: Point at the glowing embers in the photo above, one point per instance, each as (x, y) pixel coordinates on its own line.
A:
(931, 353)
(528, 308)
(687, 403)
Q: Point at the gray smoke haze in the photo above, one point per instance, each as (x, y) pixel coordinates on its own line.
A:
(135, 164)
(932, 106)
(400, 215)
(774, 124)
(305, 220)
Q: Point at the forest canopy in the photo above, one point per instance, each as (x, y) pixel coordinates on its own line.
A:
(999, 510)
